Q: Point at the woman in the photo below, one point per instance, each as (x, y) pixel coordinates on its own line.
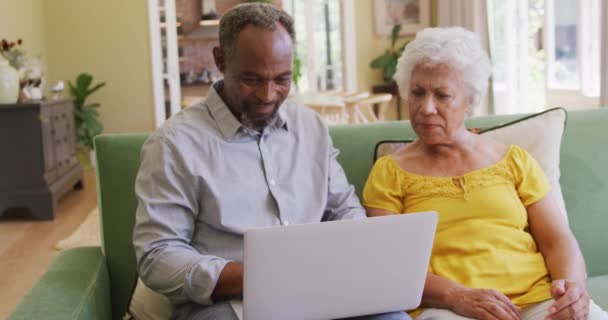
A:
(502, 249)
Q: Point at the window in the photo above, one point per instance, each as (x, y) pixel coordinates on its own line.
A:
(545, 53)
(321, 39)
(572, 57)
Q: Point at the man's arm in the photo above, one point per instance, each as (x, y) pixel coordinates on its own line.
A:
(167, 209)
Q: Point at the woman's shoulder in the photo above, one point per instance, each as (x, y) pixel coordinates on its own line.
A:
(386, 163)
(404, 154)
(493, 149)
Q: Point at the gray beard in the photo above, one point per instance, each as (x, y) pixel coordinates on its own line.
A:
(258, 125)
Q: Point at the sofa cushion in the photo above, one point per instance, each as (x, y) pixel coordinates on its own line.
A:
(148, 304)
(598, 289)
(541, 135)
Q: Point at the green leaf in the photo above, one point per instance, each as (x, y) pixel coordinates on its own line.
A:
(395, 34)
(389, 72)
(92, 105)
(84, 81)
(85, 115)
(95, 88)
(382, 61)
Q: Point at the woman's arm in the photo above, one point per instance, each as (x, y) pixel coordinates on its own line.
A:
(375, 212)
(562, 256)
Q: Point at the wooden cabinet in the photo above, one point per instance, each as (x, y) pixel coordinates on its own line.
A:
(38, 161)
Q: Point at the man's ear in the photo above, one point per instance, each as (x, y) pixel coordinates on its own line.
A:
(218, 57)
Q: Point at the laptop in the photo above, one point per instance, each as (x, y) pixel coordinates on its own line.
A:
(337, 269)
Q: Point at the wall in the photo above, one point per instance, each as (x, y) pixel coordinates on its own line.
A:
(369, 46)
(25, 20)
(110, 40)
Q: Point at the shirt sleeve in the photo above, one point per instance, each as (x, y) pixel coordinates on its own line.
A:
(383, 188)
(164, 227)
(531, 182)
(342, 201)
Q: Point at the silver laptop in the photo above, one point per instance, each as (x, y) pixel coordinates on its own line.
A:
(337, 269)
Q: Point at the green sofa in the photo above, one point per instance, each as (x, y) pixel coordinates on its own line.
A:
(96, 283)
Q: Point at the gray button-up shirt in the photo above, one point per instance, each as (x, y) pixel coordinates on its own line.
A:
(205, 179)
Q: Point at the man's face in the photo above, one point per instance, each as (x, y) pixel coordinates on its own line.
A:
(257, 77)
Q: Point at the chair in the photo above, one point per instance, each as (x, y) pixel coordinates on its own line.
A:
(188, 101)
(329, 106)
(360, 108)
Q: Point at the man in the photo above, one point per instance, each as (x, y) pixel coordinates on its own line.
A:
(244, 158)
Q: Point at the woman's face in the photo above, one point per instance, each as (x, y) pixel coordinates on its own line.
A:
(438, 101)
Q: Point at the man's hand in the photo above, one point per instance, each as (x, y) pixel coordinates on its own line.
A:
(571, 300)
(483, 304)
(230, 283)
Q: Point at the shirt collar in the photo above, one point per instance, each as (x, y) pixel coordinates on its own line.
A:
(227, 123)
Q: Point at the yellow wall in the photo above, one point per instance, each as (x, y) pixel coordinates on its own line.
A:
(369, 46)
(24, 19)
(110, 40)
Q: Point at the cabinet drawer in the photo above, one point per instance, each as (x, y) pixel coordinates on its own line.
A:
(48, 133)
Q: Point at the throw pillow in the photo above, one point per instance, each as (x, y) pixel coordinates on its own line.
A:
(148, 304)
(540, 134)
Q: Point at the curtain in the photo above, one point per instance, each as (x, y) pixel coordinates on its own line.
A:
(471, 15)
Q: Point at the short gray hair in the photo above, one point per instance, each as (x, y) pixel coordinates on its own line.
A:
(261, 15)
(456, 47)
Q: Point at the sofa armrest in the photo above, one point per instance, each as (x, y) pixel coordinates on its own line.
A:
(75, 286)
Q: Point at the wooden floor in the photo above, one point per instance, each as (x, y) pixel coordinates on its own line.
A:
(27, 246)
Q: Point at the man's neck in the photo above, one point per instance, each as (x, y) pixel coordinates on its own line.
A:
(240, 116)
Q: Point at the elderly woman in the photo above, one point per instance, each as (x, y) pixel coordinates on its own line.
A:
(502, 249)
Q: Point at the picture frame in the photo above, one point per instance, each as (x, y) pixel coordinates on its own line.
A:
(413, 15)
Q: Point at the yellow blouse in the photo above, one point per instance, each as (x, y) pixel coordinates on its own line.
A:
(482, 238)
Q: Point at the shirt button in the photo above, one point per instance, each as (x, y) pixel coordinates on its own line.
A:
(272, 182)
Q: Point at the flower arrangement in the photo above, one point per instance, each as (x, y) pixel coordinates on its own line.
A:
(12, 52)
(30, 69)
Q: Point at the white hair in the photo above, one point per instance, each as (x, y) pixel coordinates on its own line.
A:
(454, 46)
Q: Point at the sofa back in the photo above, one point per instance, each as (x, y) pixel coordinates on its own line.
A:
(117, 165)
(584, 182)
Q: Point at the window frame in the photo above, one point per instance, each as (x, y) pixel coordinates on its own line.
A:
(586, 94)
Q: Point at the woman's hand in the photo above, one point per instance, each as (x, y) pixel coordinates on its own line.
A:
(571, 300)
(483, 304)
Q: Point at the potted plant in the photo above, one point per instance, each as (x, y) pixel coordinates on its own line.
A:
(388, 60)
(86, 116)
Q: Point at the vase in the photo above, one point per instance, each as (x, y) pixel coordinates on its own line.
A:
(9, 83)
